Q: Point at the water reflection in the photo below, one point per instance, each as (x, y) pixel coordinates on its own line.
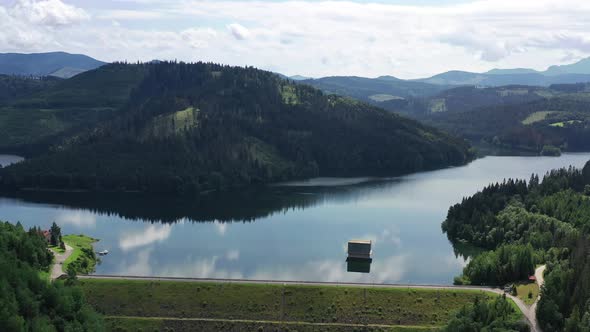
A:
(283, 233)
(238, 206)
(6, 160)
(149, 235)
(358, 265)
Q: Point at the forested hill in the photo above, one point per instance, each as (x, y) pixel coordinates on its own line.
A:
(58, 64)
(562, 121)
(195, 127)
(524, 224)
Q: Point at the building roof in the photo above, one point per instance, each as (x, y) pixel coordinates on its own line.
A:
(360, 241)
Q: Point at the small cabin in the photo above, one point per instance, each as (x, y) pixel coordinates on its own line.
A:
(532, 279)
(46, 235)
(360, 249)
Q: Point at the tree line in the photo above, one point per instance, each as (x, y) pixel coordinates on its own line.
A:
(522, 224)
(29, 303)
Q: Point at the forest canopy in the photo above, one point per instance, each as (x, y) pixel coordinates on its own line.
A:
(523, 224)
(29, 303)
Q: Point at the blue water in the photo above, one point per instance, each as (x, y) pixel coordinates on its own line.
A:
(295, 231)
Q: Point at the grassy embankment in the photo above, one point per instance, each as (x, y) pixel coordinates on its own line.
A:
(82, 258)
(528, 292)
(158, 305)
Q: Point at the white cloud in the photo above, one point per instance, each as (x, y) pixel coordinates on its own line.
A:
(198, 37)
(53, 13)
(238, 31)
(149, 235)
(312, 38)
(487, 49)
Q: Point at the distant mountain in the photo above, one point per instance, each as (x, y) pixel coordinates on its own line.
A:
(299, 78)
(59, 64)
(187, 128)
(580, 67)
(490, 80)
(566, 74)
(455, 77)
(514, 71)
(374, 89)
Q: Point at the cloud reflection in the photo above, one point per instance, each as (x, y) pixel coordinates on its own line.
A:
(388, 270)
(78, 218)
(201, 268)
(232, 255)
(387, 236)
(142, 266)
(149, 235)
(221, 227)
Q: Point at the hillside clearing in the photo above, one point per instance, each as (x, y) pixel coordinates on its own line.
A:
(536, 117)
(83, 254)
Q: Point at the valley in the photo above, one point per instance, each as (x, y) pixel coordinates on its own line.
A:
(241, 187)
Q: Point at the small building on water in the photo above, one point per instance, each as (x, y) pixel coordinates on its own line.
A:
(360, 249)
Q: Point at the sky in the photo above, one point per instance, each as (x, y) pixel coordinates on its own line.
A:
(402, 38)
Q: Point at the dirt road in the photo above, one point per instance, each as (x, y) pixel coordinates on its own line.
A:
(57, 268)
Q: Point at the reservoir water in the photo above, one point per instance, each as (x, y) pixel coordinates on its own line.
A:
(293, 231)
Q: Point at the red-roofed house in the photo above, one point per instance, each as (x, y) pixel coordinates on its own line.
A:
(47, 235)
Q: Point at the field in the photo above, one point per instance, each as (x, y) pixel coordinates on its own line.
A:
(230, 306)
(82, 246)
(523, 290)
(564, 123)
(158, 324)
(383, 97)
(536, 117)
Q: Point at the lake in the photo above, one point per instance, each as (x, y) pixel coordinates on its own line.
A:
(292, 231)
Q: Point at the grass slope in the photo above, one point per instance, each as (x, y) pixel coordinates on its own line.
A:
(275, 303)
(523, 290)
(159, 324)
(80, 257)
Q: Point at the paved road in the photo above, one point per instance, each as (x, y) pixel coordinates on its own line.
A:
(288, 282)
(57, 268)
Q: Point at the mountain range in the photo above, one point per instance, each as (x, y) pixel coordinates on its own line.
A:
(65, 65)
(463, 103)
(58, 64)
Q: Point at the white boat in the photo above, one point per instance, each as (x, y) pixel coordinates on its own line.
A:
(104, 252)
